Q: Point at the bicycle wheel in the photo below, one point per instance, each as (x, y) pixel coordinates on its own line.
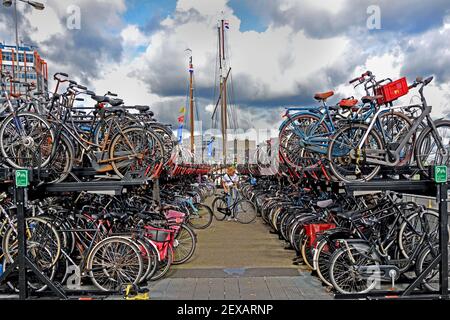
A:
(293, 134)
(136, 151)
(431, 281)
(321, 260)
(220, 208)
(396, 126)
(412, 230)
(202, 218)
(164, 265)
(427, 152)
(153, 257)
(61, 162)
(184, 245)
(43, 242)
(307, 253)
(113, 262)
(245, 211)
(348, 162)
(34, 283)
(147, 258)
(26, 140)
(344, 274)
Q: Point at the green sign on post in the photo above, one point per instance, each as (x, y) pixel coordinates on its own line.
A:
(22, 178)
(440, 174)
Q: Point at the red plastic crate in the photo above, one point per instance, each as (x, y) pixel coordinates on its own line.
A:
(392, 91)
(313, 229)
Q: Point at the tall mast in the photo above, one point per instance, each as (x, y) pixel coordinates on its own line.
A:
(191, 102)
(223, 88)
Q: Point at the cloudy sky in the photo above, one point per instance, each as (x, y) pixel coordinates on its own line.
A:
(281, 51)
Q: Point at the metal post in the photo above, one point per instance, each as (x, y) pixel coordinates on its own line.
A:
(16, 58)
(20, 203)
(443, 240)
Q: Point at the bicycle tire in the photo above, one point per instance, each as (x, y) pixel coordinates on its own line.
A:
(220, 216)
(425, 137)
(191, 240)
(246, 212)
(204, 217)
(112, 276)
(42, 159)
(164, 265)
(341, 155)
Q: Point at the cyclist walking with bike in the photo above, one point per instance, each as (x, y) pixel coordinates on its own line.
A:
(230, 182)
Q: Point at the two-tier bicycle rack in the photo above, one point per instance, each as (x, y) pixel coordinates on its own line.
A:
(37, 189)
(428, 188)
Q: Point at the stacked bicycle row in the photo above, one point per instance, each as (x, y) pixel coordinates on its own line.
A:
(60, 133)
(107, 241)
(357, 141)
(353, 243)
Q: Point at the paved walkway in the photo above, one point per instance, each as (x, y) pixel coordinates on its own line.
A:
(235, 261)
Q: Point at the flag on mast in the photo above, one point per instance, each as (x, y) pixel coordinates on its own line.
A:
(226, 24)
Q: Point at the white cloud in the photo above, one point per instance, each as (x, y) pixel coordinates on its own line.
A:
(133, 37)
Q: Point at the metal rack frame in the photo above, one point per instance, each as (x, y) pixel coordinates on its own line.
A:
(427, 188)
(23, 263)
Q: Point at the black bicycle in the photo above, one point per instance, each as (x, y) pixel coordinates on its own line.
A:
(240, 209)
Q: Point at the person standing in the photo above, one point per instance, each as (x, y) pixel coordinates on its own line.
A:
(230, 182)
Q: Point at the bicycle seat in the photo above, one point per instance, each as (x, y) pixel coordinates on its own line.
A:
(100, 99)
(323, 96)
(115, 102)
(115, 109)
(324, 203)
(350, 215)
(348, 103)
(368, 99)
(142, 108)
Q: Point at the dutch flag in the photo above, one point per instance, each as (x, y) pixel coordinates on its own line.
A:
(226, 24)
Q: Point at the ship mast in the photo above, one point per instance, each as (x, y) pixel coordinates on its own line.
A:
(191, 102)
(223, 89)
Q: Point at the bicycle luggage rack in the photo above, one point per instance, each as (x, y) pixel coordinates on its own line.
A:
(420, 187)
(22, 263)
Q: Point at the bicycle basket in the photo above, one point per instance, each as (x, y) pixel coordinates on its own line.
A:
(158, 235)
(312, 230)
(392, 91)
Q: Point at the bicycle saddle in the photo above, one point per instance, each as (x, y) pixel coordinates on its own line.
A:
(114, 109)
(323, 96)
(100, 99)
(142, 108)
(115, 102)
(324, 203)
(368, 99)
(348, 103)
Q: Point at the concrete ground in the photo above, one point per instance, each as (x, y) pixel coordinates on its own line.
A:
(234, 261)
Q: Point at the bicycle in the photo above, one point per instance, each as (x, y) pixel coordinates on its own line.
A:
(242, 210)
(358, 150)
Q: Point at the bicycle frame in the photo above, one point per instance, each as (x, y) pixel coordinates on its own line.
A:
(396, 153)
(319, 143)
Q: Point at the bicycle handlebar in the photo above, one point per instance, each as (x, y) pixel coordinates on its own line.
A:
(361, 78)
(62, 74)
